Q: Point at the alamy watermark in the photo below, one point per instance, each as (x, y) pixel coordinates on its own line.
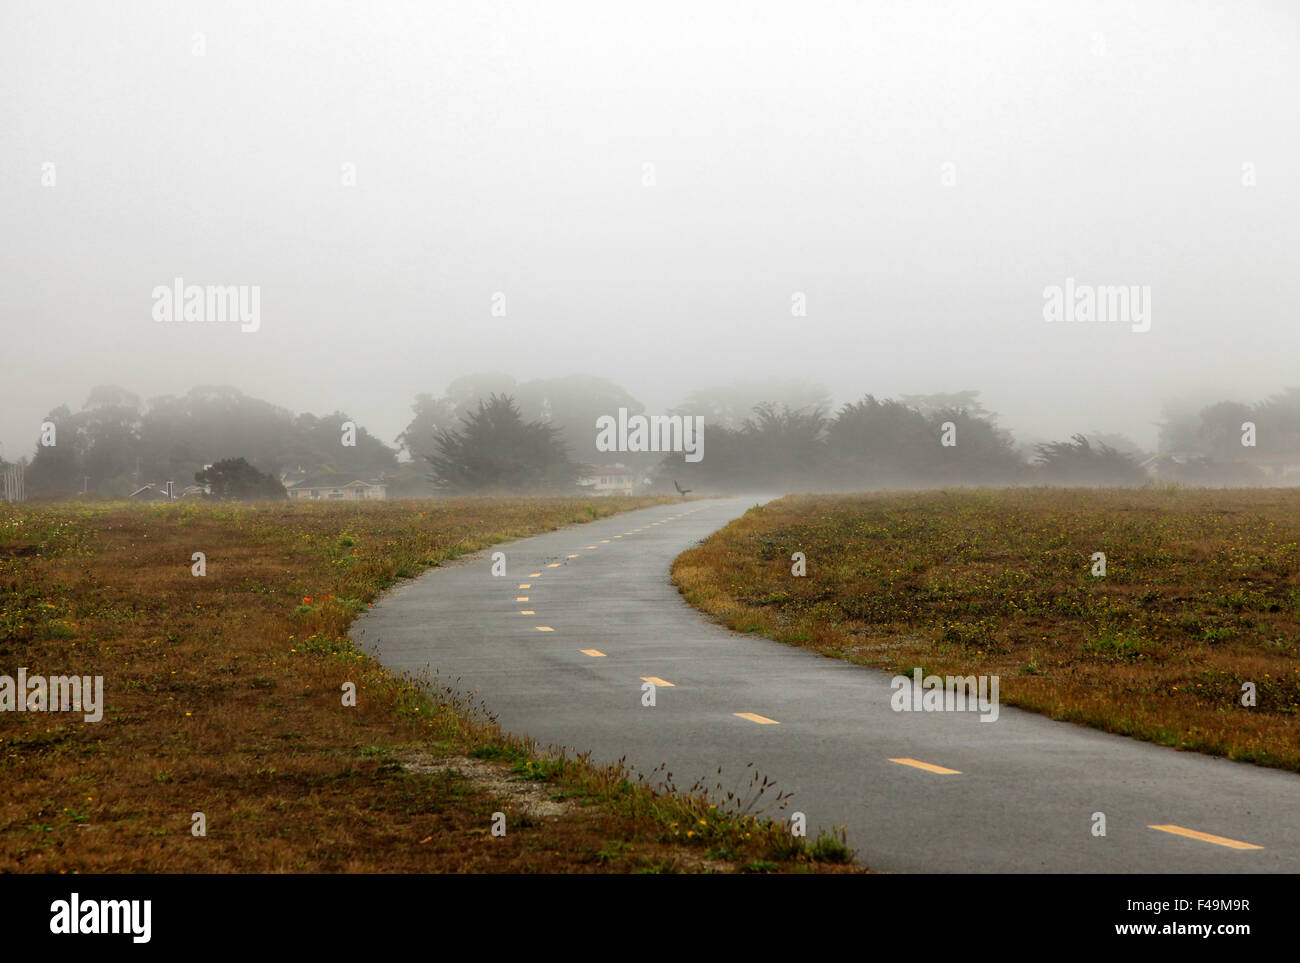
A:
(684, 433)
(209, 303)
(1107, 304)
(60, 693)
(131, 917)
(953, 693)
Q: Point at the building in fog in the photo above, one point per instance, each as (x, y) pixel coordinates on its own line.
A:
(335, 488)
(606, 479)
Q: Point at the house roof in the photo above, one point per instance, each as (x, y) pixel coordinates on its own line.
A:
(152, 489)
(331, 480)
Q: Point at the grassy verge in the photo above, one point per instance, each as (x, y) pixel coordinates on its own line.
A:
(1201, 596)
(223, 697)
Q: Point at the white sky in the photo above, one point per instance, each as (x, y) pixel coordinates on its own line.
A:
(797, 147)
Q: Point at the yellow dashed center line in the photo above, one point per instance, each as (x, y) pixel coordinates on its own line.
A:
(755, 717)
(573, 556)
(594, 653)
(591, 546)
(927, 766)
(527, 612)
(554, 565)
(521, 598)
(545, 628)
(604, 541)
(618, 536)
(534, 574)
(656, 680)
(1206, 837)
(525, 584)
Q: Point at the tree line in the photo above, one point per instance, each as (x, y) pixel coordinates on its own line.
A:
(885, 443)
(115, 443)
(489, 433)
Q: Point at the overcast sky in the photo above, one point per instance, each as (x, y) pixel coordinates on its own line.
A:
(795, 147)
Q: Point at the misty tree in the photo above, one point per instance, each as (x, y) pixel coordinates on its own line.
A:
(101, 442)
(983, 455)
(1120, 442)
(1078, 462)
(1179, 425)
(58, 467)
(730, 462)
(730, 406)
(432, 415)
(316, 444)
(1278, 421)
(468, 390)
(881, 442)
(235, 478)
(776, 446)
(109, 437)
(792, 441)
(570, 404)
(118, 444)
(1204, 446)
(496, 452)
(1219, 436)
(869, 443)
(946, 401)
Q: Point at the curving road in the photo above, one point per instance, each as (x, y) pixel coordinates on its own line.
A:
(560, 648)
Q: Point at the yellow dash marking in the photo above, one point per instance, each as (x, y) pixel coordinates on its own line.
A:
(554, 565)
(521, 598)
(525, 584)
(604, 541)
(755, 717)
(928, 767)
(1206, 837)
(618, 536)
(594, 653)
(545, 628)
(534, 574)
(656, 680)
(591, 546)
(527, 612)
(573, 556)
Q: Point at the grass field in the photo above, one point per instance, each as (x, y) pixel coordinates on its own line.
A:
(1201, 595)
(223, 697)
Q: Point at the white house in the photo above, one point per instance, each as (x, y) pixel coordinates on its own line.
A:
(335, 488)
(607, 479)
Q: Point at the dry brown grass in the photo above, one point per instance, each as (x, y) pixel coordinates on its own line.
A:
(223, 697)
(1202, 594)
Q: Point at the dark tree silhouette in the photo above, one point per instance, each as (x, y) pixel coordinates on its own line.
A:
(235, 478)
(497, 452)
(1081, 463)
